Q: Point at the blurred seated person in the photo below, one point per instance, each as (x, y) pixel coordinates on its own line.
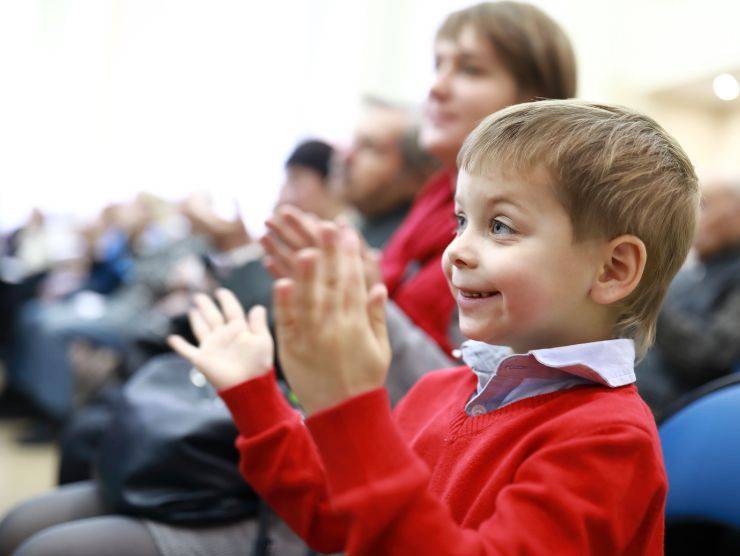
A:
(379, 175)
(382, 170)
(698, 331)
(39, 363)
(372, 184)
(306, 186)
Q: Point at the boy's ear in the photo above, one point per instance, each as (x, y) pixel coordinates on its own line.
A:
(621, 270)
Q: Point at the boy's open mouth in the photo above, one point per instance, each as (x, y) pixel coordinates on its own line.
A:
(475, 295)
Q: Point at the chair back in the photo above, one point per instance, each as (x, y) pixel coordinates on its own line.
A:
(701, 449)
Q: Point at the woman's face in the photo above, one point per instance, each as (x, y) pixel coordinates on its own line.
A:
(470, 84)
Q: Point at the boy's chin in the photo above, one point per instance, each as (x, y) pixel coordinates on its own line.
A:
(481, 335)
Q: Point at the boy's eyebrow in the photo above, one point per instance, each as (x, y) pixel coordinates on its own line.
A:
(495, 200)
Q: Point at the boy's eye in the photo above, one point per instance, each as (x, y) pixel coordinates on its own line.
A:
(460, 223)
(499, 228)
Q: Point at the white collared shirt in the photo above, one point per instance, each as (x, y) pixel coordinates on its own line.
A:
(505, 377)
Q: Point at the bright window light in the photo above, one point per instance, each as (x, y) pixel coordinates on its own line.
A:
(726, 87)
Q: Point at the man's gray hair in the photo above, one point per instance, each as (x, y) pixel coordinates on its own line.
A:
(417, 162)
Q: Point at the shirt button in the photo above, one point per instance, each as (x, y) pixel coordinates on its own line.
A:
(477, 409)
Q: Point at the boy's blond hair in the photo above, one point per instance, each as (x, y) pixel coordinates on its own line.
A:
(532, 46)
(615, 171)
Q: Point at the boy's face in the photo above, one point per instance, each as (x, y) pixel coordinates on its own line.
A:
(517, 275)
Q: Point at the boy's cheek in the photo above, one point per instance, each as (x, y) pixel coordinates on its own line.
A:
(447, 270)
(525, 297)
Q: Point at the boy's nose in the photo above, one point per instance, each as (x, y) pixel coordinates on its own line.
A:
(461, 254)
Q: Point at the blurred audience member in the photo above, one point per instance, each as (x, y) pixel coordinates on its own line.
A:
(305, 186)
(383, 169)
(372, 183)
(384, 162)
(393, 169)
(306, 180)
(141, 242)
(698, 333)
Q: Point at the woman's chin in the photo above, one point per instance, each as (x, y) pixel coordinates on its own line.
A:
(438, 143)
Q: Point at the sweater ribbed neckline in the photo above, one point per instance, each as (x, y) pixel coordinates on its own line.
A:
(463, 424)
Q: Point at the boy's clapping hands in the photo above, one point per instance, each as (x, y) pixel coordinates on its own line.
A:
(331, 330)
(290, 230)
(232, 347)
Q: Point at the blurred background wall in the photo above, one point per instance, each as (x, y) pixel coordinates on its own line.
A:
(100, 99)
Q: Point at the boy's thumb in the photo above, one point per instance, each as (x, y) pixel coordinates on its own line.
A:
(376, 311)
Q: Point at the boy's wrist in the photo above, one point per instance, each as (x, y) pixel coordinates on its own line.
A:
(230, 381)
(325, 400)
(257, 404)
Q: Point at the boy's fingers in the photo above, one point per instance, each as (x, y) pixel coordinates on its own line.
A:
(302, 224)
(283, 293)
(280, 256)
(230, 305)
(342, 221)
(376, 311)
(355, 294)
(306, 294)
(286, 232)
(226, 334)
(208, 310)
(272, 267)
(258, 320)
(371, 259)
(331, 267)
(199, 326)
(188, 351)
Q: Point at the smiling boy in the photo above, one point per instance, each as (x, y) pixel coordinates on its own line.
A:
(572, 220)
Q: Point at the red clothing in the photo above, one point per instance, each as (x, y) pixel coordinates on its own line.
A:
(577, 471)
(412, 259)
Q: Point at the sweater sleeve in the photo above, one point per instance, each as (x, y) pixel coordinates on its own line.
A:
(587, 494)
(278, 458)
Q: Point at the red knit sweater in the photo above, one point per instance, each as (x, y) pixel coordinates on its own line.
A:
(572, 472)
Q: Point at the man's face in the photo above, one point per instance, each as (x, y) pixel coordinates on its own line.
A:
(366, 176)
(719, 225)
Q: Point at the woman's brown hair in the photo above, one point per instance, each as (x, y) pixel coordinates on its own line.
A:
(532, 46)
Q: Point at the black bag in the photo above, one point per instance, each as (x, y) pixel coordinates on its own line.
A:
(169, 452)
